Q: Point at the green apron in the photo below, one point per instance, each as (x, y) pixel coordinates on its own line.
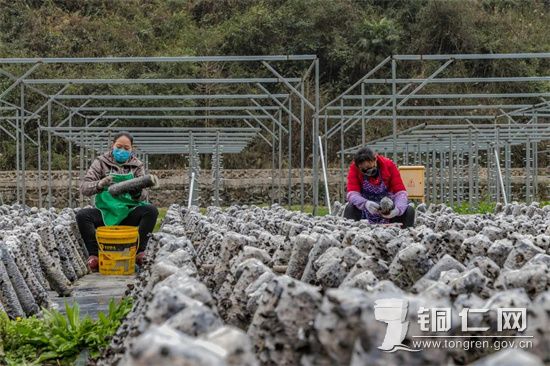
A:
(116, 209)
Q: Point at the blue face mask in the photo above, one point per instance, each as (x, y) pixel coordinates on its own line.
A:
(121, 155)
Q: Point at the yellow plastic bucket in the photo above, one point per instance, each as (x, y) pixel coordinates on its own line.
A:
(117, 249)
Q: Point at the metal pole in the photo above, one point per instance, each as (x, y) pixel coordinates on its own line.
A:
(302, 146)
(342, 187)
(507, 169)
(70, 147)
(394, 106)
(528, 170)
(534, 150)
(470, 170)
(327, 199)
(81, 173)
(434, 177)
(39, 165)
(508, 161)
(86, 149)
(489, 175)
(499, 174)
(273, 163)
(49, 155)
(496, 152)
(476, 177)
(535, 164)
(183, 175)
(289, 153)
(93, 148)
(23, 168)
(216, 166)
(17, 157)
(428, 175)
(191, 187)
(363, 127)
(315, 141)
(443, 186)
(326, 136)
(280, 159)
(459, 176)
(451, 170)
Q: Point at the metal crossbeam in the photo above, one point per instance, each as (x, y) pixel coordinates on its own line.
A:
(171, 96)
(449, 96)
(456, 80)
(160, 117)
(163, 59)
(177, 109)
(434, 107)
(159, 81)
(474, 56)
(153, 129)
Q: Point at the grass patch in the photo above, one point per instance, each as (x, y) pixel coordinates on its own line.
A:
(57, 339)
(321, 210)
(162, 213)
(484, 207)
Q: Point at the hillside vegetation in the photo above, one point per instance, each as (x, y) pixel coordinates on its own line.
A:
(350, 37)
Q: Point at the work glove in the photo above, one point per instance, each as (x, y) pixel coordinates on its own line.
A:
(136, 193)
(372, 207)
(105, 182)
(393, 213)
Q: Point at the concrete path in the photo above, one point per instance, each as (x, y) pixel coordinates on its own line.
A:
(93, 293)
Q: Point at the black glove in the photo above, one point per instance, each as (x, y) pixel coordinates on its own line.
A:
(135, 194)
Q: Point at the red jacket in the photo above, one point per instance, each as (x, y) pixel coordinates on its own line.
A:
(388, 173)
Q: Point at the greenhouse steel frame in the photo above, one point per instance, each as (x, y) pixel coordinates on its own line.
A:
(461, 118)
(258, 112)
(268, 113)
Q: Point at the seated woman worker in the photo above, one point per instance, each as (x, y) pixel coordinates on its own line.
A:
(372, 177)
(131, 209)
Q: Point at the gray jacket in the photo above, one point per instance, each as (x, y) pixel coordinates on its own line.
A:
(104, 165)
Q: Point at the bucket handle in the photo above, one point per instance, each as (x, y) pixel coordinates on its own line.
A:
(136, 244)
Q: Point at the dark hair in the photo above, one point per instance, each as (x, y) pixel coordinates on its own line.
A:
(364, 154)
(125, 134)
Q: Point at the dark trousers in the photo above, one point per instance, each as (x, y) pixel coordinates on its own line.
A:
(89, 219)
(406, 220)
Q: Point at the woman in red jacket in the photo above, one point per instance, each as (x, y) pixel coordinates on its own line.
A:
(372, 177)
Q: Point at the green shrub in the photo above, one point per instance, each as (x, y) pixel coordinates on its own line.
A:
(57, 338)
